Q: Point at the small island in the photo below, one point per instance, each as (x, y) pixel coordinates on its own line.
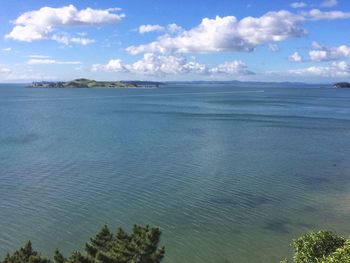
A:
(88, 83)
(341, 85)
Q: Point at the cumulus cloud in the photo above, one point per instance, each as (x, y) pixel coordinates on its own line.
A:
(329, 3)
(150, 28)
(316, 14)
(228, 34)
(114, 65)
(298, 5)
(324, 53)
(295, 57)
(160, 65)
(335, 69)
(174, 28)
(38, 24)
(46, 61)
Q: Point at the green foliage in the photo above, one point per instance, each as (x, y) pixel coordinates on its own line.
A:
(141, 246)
(88, 83)
(101, 242)
(321, 247)
(58, 257)
(312, 247)
(341, 255)
(77, 257)
(25, 254)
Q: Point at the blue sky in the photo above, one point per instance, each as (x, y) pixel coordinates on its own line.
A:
(259, 40)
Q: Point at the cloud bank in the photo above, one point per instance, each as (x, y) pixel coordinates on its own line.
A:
(161, 65)
(333, 70)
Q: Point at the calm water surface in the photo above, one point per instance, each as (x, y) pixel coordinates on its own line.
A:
(229, 173)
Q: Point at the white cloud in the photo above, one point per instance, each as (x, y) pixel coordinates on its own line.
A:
(335, 69)
(29, 76)
(4, 70)
(298, 5)
(295, 57)
(161, 65)
(236, 67)
(38, 56)
(329, 3)
(316, 45)
(316, 14)
(7, 49)
(150, 28)
(114, 65)
(152, 64)
(171, 28)
(273, 47)
(324, 53)
(38, 24)
(38, 61)
(67, 40)
(174, 28)
(228, 34)
(319, 55)
(35, 61)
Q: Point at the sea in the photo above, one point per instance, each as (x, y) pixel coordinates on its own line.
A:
(229, 172)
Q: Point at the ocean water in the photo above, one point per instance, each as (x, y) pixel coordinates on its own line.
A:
(229, 173)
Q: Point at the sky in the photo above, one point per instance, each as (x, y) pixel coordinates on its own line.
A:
(254, 40)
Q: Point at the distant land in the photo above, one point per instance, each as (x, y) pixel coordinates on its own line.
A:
(263, 83)
(341, 85)
(256, 84)
(235, 82)
(88, 83)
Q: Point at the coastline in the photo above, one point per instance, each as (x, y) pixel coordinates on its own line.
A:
(87, 83)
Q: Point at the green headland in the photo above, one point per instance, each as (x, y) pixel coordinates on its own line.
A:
(88, 83)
